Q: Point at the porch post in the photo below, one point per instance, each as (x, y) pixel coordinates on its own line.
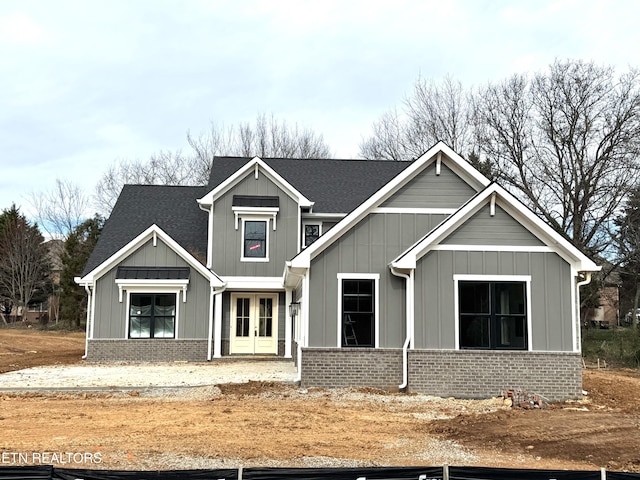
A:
(217, 321)
(287, 324)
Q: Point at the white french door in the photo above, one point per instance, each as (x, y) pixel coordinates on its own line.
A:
(254, 323)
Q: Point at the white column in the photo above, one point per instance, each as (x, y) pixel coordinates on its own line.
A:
(217, 329)
(287, 324)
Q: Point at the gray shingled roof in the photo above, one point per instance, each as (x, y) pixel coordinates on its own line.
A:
(336, 186)
(174, 209)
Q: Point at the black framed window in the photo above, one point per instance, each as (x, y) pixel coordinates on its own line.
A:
(493, 315)
(358, 313)
(255, 239)
(152, 315)
(311, 233)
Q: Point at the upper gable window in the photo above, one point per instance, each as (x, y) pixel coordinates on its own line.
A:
(254, 236)
(255, 212)
(312, 232)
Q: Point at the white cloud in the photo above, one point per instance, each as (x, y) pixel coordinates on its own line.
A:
(83, 83)
(19, 28)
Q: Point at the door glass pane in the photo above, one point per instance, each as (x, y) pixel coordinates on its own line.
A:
(265, 324)
(242, 317)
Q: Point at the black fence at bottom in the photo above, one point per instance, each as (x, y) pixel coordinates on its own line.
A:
(48, 472)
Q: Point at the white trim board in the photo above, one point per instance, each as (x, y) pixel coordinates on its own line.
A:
(154, 231)
(454, 161)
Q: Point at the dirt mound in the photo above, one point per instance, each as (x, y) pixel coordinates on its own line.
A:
(269, 423)
(26, 348)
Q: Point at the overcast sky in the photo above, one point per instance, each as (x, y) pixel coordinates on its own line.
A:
(83, 83)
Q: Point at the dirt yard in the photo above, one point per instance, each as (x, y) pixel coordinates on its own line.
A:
(270, 424)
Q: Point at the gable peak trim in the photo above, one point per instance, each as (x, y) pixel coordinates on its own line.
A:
(458, 164)
(494, 195)
(151, 233)
(256, 164)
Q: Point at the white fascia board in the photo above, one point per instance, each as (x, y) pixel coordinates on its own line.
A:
(253, 283)
(458, 164)
(461, 167)
(136, 243)
(513, 207)
(291, 277)
(543, 231)
(210, 198)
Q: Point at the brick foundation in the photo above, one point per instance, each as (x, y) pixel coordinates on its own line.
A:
(446, 373)
(156, 350)
(473, 374)
(141, 350)
(351, 367)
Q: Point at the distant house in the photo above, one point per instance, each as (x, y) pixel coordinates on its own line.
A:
(421, 275)
(46, 309)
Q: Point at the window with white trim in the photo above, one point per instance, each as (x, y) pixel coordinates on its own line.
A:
(311, 233)
(358, 310)
(255, 240)
(255, 212)
(152, 315)
(492, 314)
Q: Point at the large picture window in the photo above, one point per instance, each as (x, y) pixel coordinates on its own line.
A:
(358, 304)
(152, 315)
(492, 315)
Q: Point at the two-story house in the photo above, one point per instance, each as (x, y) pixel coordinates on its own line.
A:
(420, 275)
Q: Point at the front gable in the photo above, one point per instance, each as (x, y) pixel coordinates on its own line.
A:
(255, 208)
(509, 226)
(445, 189)
(255, 167)
(169, 250)
(492, 228)
(439, 165)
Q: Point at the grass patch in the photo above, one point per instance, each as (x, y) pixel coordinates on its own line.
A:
(617, 346)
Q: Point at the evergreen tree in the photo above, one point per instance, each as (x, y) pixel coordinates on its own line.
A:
(77, 250)
(24, 266)
(628, 249)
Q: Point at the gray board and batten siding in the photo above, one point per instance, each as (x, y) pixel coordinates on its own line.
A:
(111, 314)
(550, 295)
(368, 247)
(550, 281)
(282, 243)
(500, 229)
(428, 190)
(372, 244)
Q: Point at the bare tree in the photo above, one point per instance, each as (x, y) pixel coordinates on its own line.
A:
(567, 142)
(267, 137)
(434, 112)
(60, 210)
(162, 168)
(24, 269)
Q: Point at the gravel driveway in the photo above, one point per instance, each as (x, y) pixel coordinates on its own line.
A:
(144, 376)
